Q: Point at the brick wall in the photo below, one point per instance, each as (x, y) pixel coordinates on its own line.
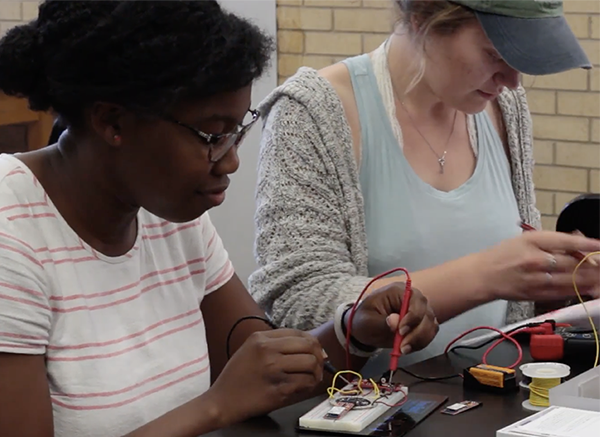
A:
(565, 107)
(14, 12)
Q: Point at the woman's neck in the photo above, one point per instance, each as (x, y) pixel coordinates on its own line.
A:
(75, 180)
(420, 100)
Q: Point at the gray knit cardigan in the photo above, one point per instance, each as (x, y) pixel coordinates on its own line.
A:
(311, 244)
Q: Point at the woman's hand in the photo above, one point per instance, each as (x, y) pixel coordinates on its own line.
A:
(270, 370)
(376, 319)
(537, 266)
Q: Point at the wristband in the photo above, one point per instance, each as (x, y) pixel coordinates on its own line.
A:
(356, 348)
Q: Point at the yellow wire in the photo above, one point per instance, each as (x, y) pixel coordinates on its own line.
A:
(333, 389)
(585, 308)
(375, 387)
(539, 395)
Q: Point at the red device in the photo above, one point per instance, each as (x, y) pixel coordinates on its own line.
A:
(546, 347)
(564, 343)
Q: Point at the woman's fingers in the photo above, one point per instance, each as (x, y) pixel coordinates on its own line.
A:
(560, 242)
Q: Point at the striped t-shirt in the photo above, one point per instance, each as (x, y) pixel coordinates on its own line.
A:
(123, 336)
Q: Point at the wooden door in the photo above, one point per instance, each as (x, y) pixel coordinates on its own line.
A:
(16, 117)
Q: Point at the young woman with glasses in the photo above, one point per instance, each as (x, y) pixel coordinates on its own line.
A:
(119, 307)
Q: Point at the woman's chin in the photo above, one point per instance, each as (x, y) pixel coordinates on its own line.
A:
(473, 106)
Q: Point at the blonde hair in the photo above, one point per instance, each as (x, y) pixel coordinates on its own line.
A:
(438, 17)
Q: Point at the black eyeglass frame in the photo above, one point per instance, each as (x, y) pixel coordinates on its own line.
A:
(223, 142)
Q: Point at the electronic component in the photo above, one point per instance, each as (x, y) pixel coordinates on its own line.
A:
(490, 378)
(397, 421)
(564, 344)
(339, 410)
(357, 401)
(460, 407)
(357, 418)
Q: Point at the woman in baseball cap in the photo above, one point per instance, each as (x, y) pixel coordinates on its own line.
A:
(417, 155)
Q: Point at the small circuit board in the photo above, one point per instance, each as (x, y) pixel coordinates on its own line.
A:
(460, 407)
(354, 407)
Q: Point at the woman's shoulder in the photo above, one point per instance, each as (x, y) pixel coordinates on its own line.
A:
(23, 201)
(339, 79)
(307, 89)
(304, 120)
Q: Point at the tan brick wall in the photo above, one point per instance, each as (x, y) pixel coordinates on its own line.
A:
(565, 107)
(16, 12)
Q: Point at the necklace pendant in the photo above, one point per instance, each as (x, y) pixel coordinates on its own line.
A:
(442, 161)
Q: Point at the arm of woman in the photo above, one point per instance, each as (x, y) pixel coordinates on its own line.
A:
(306, 267)
(224, 308)
(371, 326)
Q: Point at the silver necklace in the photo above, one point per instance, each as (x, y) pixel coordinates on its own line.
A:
(441, 159)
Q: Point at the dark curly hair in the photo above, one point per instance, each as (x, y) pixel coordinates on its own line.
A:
(143, 55)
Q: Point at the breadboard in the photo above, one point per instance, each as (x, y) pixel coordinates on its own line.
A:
(354, 420)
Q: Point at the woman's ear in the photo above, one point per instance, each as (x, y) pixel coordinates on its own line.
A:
(107, 121)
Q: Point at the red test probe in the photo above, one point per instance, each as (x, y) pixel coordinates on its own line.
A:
(403, 310)
(396, 353)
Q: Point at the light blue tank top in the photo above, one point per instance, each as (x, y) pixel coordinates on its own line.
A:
(410, 224)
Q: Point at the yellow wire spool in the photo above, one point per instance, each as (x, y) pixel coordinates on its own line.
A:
(544, 376)
(539, 391)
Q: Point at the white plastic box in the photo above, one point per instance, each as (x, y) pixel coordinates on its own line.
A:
(581, 392)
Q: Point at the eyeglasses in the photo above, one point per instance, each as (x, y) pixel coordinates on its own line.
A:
(220, 144)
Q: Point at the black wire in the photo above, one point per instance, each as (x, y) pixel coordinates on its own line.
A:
(263, 319)
(495, 337)
(429, 378)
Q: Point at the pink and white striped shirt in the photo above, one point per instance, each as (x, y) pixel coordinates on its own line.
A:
(123, 336)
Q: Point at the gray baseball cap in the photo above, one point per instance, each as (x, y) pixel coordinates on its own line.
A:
(532, 36)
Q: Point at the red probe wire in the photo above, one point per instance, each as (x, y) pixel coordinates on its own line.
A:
(504, 337)
(403, 310)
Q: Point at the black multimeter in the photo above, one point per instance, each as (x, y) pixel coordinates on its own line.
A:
(581, 334)
(581, 214)
(579, 343)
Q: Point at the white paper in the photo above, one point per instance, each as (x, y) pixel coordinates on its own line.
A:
(564, 422)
